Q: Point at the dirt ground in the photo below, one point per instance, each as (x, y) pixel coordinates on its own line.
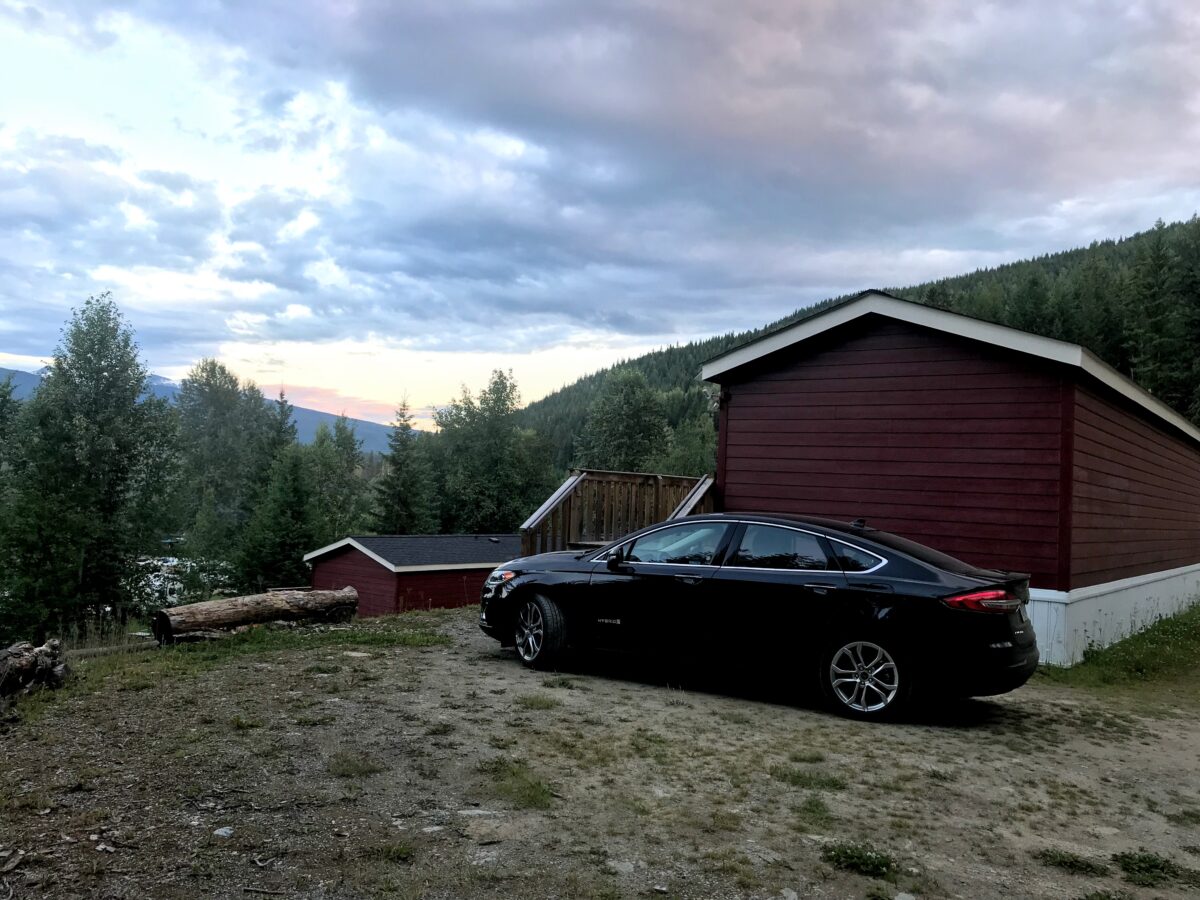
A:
(368, 768)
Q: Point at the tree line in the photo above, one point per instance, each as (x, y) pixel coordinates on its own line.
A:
(95, 471)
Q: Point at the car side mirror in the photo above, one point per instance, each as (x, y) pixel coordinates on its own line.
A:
(616, 561)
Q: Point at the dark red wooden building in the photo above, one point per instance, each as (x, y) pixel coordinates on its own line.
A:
(397, 573)
(998, 446)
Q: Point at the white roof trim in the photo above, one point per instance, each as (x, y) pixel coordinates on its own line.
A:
(949, 323)
(351, 542)
(435, 568)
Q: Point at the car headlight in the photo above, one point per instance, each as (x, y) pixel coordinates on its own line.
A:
(499, 576)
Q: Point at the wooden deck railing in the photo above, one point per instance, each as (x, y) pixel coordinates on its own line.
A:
(593, 507)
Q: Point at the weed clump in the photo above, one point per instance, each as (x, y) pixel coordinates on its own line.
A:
(392, 853)
(514, 781)
(352, 764)
(804, 778)
(537, 701)
(863, 859)
(1146, 869)
(1070, 862)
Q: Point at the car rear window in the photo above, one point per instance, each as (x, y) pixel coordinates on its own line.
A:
(921, 553)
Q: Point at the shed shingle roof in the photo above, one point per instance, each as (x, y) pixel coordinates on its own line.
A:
(430, 551)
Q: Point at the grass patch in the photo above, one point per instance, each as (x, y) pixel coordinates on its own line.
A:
(353, 764)
(804, 778)
(1169, 648)
(237, 723)
(440, 729)
(391, 853)
(1070, 862)
(1146, 869)
(565, 682)
(514, 781)
(813, 812)
(141, 671)
(806, 756)
(313, 721)
(1189, 817)
(537, 701)
(862, 859)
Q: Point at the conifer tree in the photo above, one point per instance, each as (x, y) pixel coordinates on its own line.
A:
(404, 493)
(339, 490)
(281, 530)
(626, 428)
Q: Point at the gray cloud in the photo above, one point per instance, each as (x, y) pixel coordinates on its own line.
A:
(658, 170)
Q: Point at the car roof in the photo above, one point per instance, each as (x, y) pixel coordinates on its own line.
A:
(846, 528)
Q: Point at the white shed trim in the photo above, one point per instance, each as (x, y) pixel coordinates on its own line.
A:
(351, 542)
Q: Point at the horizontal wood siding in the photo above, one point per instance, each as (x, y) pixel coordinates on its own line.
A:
(376, 585)
(943, 440)
(439, 590)
(384, 593)
(1136, 501)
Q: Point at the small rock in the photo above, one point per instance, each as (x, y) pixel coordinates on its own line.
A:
(430, 829)
(904, 896)
(104, 848)
(621, 866)
(789, 894)
(93, 837)
(484, 856)
(659, 889)
(223, 832)
(356, 654)
(476, 812)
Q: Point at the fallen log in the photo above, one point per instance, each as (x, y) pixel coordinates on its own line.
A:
(24, 666)
(170, 623)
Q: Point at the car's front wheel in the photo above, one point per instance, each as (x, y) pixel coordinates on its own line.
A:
(541, 634)
(865, 679)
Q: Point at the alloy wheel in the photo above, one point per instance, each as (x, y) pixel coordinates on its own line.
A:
(864, 677)
(530, 631)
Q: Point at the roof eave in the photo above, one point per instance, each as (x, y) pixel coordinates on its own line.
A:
(880, 303)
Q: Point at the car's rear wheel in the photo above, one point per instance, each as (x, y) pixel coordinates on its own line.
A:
(541, 634)
(865, 679)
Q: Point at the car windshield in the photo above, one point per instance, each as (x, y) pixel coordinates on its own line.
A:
(681, 545)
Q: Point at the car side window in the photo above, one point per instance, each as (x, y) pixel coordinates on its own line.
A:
(681, 545)
(852, 559)
(768, 547)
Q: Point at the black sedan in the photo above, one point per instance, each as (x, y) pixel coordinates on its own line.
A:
(873, 617)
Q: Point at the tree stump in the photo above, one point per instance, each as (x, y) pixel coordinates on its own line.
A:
(24, 666)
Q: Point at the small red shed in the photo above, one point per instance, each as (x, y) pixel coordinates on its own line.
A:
(397, 573)
(1001, 447)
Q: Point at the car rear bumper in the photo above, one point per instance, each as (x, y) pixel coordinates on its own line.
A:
(1001, 676)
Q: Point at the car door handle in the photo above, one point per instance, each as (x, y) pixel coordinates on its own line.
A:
(876, 587)
(688, 579)
(819, 588)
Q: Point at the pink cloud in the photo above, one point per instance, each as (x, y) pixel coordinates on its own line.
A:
(331, 401)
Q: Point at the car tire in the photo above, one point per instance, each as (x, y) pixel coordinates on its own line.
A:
(865, 678)
(540, 632)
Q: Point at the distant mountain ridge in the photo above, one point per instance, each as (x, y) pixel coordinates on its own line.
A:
(374, 436)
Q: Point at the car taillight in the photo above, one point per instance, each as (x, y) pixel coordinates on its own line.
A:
(984, 601)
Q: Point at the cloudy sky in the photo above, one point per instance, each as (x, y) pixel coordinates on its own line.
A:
(363, 199)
